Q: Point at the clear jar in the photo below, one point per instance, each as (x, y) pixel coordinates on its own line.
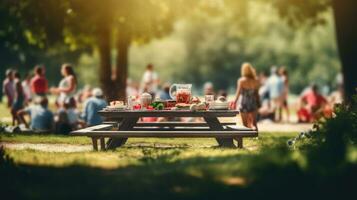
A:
(145, 100)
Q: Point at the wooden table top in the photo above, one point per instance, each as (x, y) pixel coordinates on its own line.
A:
(168, 113)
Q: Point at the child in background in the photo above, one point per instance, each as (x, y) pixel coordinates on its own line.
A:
(62, 124)
(72, 112)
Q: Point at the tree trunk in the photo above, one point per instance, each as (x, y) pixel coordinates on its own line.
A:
(122, 46)
(345, 12)
(105, 69)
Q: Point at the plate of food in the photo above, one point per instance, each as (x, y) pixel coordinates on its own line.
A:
(198, 107)
(183, 106)
(116, 105)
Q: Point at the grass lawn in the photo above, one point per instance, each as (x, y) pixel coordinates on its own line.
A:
(143, 168)
(158, 168)
(132, 152)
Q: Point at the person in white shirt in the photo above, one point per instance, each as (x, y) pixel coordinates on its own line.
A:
(276, 89)
(27, 88)
(150, 80)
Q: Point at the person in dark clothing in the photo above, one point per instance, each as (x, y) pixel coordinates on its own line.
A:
(19, 98)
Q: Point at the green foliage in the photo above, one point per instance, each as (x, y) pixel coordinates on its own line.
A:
(212, 48)
(31, 34)
(297, 12)
(327, 145)
(319, 165)
(5, 159)
(210, 39)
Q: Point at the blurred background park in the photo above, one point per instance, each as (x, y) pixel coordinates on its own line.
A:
(188, 42)
(110, 43)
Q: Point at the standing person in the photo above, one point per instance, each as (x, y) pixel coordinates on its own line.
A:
(150, 80)
(39, 83)
(284, 76)
(26, 86)
(8, 87)
(276, 87)
(265, 112)
(41, 116)
(19, 98)
(67, 86)
(92, 106)
(247, 96)
(208, 89)
(131, 90)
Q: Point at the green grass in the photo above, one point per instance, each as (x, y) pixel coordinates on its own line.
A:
(142, 169)
(62, 139)
(186, 171)
(164, 169)
(176, 169)
(134, 150)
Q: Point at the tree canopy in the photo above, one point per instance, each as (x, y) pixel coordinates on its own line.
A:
(223, 33)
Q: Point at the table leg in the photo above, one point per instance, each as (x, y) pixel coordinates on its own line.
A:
(95, 143)
(215, 125)
(126, 124)
(240, 142)
(102, 144)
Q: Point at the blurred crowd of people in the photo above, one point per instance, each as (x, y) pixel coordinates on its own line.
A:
(265, 97)
(27, 99)
(258, 97)
(273, 93)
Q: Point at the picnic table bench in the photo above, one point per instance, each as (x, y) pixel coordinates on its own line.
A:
(118, 126)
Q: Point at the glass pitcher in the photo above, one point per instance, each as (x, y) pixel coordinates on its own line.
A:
(182, 94)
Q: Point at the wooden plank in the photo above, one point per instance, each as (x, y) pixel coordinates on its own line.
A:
(235, 127)
(170, 134)
(180, 124)
(189, 128)
(92, 128)
(114, 123)
(168, 113)
(156, 129)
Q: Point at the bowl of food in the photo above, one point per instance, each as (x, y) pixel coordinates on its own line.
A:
(220, 104)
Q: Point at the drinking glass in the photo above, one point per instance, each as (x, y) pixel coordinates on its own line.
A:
(130, 102)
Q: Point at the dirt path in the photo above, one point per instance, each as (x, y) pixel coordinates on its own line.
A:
(68, 148)
(283, 127)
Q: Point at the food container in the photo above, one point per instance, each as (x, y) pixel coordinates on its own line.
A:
(170, 103)
(182, 93)
(220, 104)
(130, 102)
(158, 104)
(145, 100)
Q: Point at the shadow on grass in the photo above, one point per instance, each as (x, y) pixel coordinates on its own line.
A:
(159, 177)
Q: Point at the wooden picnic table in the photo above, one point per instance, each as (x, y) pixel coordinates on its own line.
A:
(122, 124)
